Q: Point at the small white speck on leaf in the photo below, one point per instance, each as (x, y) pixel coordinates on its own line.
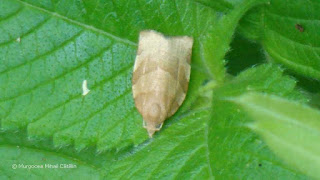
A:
(85, 89)
(18, 39)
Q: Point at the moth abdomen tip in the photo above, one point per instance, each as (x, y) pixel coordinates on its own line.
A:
(151, 132)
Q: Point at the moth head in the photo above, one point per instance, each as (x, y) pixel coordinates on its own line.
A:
(151, 127)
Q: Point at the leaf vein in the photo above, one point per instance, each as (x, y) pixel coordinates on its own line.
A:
(44, 54)
(80, 95)
(106, 105)
(92, 28)
(12, 14)
(31, 30)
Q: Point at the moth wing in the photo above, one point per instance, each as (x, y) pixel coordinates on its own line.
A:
(145, 65)
(183, 51)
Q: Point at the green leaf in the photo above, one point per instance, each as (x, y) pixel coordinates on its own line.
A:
(48, 51)
(292, 130)
(275, 26)
(48, 48)
(216, 43)
(237, 152)
(180, 152)
(220, 5)
(198, 148)
(41, 73)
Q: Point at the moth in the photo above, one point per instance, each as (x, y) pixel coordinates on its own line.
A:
(160, 77)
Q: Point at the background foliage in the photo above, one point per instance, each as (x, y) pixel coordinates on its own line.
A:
(251, 111)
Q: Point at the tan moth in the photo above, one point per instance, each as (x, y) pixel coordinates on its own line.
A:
(160, 77)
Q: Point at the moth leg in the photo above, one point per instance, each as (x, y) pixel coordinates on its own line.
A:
(158, 127)
(144, 124)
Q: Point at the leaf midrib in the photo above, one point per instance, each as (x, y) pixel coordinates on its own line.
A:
(283, 117)
(85, 26)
